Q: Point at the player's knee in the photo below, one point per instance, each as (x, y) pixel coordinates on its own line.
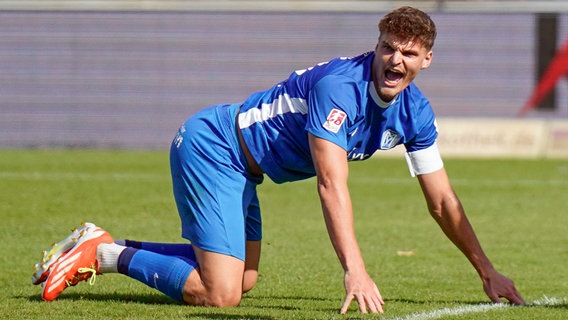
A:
(225, 299)
(227, 294)
(213, 299)
(248, 288)
(249, 280)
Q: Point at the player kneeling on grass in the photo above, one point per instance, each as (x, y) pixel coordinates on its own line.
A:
(310, 124)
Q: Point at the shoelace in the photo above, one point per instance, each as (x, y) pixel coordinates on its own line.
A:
(82, 275)
(90, 280)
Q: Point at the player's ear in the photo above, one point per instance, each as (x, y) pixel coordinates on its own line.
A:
(427, 60)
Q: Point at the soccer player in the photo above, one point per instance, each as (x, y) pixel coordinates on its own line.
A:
(311, 124)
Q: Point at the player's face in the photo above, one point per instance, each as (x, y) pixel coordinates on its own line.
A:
(397, 62)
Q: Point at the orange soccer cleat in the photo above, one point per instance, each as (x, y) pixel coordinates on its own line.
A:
(63, 269)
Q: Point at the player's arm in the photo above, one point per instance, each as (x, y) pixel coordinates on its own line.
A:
(447, 210)
(331, 166)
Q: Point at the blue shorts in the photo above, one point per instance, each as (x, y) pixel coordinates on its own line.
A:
(215, 195)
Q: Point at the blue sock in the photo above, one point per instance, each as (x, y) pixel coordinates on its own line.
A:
(169, 249)
(166, 273)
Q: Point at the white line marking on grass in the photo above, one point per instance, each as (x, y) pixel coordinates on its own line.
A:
(435, 314)
(461, 310)
(546, 301)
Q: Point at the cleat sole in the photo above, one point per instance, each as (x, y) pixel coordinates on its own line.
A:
(49, 257)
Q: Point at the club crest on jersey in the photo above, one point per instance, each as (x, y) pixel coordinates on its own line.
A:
(390, 139)
(335, 120)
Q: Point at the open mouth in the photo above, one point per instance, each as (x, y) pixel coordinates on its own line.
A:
(392, 76)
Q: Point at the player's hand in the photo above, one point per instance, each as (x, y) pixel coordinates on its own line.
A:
(498, 286)
(362, 288)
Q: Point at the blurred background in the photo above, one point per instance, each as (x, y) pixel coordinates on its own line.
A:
(125, 74)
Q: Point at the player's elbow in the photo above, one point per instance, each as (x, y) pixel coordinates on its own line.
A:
(448, 202)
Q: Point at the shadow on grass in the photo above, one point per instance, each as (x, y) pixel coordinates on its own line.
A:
(291, 303)
(162, 299)
(150, 299)
(228, 316)
(114, 297)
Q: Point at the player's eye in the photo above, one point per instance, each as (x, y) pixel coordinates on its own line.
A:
(387, 47)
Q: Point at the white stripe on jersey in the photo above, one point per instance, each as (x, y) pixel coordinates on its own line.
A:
(283, 104)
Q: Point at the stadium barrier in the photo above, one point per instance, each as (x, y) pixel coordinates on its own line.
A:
(500, 138)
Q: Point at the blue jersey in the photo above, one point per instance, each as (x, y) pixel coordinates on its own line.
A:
(335, 101)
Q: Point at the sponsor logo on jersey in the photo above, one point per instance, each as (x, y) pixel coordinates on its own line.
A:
(335, 120)
(390, 139)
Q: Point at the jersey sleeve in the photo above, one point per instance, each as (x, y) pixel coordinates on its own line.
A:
(422, 154)
(427, 128)
(332, 109)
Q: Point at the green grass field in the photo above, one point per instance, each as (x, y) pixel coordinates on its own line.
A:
(518, 208)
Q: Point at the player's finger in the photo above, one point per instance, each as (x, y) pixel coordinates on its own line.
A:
(515, 298)
(381, 302)
(346, 303)
(362, 303)
(372, 303)
(376, 304)
(519, 300)
(494, 297)
(379, 305)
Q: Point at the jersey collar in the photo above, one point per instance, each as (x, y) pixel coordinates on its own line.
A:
(378, 99)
